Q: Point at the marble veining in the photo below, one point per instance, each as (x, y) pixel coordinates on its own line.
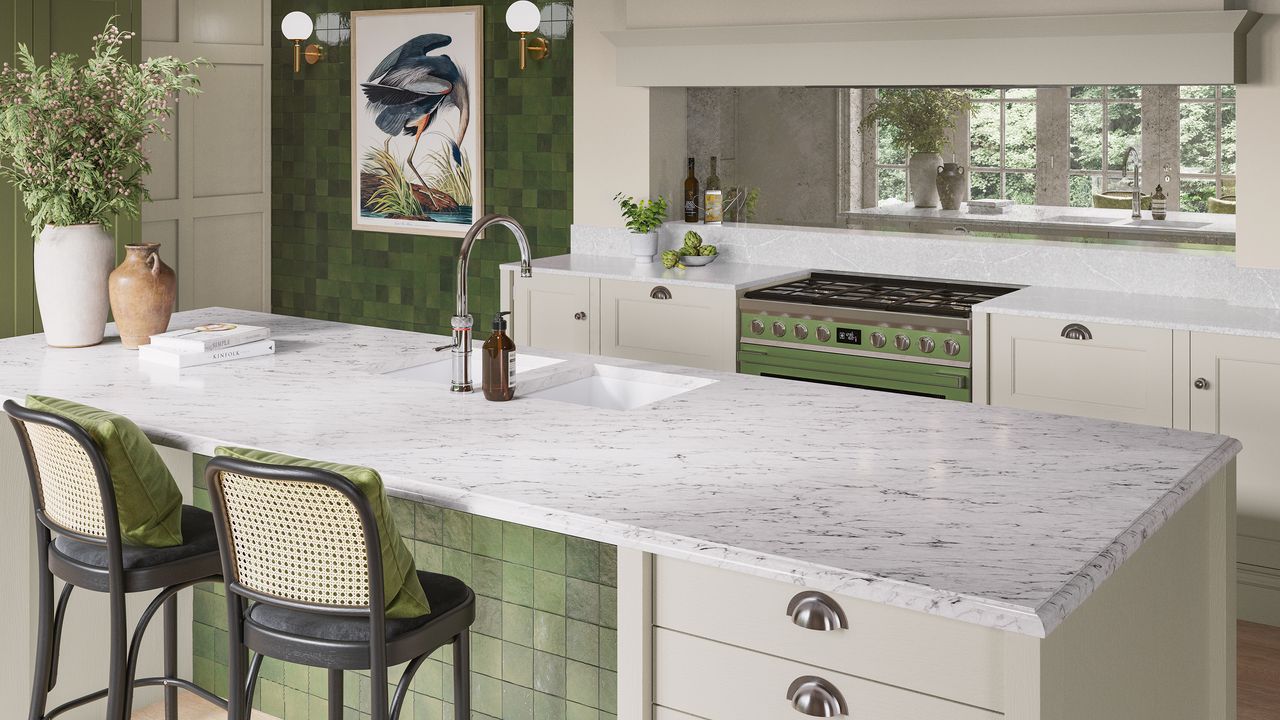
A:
(1192, 314)
(1000, 517)
(719, 274)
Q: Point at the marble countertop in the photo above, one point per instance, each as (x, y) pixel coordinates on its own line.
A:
(1111, 221)
(1160, 311)
(1000, 517)
(719, 274)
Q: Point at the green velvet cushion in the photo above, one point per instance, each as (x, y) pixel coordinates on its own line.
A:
(404, 595)
(148, 500)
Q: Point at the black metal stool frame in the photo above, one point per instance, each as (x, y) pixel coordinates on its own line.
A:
(119, 583)
(335, 655)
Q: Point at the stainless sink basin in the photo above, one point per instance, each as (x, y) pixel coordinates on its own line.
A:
(1082, 219)
(439, 369)
(1173, 224)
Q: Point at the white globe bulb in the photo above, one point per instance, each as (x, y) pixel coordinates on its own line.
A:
(523, 16)
(297, 25)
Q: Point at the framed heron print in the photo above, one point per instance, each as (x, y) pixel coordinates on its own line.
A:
(416, 120)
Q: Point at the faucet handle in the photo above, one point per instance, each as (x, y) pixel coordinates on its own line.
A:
(449, 346)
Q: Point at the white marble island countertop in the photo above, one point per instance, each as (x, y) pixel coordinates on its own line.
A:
(719, 274)
(1000, 517)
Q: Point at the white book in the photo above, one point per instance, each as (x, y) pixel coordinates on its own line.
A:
(210, 337)
(172, 358)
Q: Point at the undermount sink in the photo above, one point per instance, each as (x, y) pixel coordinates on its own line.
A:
(1082, 219)
(440, 370)
(1175, 224)
(616, 388)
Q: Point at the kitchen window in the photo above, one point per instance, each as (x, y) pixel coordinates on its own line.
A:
(1207, 137)
(890, 170)
(1002, 145)
(1105, 121)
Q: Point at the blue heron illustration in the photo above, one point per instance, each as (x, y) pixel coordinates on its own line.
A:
(411, 87)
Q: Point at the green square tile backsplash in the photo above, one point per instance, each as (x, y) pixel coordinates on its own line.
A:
(543, 647)
(321, 268)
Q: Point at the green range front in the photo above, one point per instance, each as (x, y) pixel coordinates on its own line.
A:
(902, 335)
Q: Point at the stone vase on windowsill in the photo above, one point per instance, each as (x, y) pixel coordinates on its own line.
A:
(922, 174)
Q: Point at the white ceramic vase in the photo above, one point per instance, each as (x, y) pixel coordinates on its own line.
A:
(644, 246)
(72, 265)
(922, 173)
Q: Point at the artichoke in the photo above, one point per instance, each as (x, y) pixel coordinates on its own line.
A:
(692, 240)
(707, 250)
(671, 259)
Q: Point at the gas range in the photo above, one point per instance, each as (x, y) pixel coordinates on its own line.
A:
(901, 334)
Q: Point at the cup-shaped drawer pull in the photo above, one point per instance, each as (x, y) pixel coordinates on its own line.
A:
(813, 610)
(660, 293)
(1076, 331)
(816, 697)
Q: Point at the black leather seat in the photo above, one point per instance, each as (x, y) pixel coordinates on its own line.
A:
(146, 568)
(289, 632)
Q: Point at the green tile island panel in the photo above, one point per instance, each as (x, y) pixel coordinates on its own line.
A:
(543, 647)
(321, 268)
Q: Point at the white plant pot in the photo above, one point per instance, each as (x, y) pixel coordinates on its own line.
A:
(72, 265)
(922, 173)
(644, 246)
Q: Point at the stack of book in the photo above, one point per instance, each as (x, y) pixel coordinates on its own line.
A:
(207, 344)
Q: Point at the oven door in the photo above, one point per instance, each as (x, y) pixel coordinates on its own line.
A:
(891, 375)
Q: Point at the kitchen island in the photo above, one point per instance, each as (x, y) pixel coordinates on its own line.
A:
(986, 561)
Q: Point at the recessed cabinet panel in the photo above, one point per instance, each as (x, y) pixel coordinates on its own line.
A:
(675, 324)
(553, 312)
(1090, 369)
(1240, 397)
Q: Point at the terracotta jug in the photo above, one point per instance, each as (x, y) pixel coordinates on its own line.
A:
(142, 289)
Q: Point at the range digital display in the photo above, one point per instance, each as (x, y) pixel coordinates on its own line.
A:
(849, 336)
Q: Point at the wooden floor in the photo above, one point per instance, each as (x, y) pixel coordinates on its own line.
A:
(1257, 652)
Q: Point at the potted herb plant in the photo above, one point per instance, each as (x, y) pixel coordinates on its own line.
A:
(643, 218)
(71, 142)
(917, 121)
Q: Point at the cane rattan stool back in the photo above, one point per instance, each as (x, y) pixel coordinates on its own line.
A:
(67, 473)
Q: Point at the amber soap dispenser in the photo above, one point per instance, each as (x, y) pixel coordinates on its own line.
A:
(499, 365)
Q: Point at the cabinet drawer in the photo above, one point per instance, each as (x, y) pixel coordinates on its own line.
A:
(1113, 372)
(721, 682)
(951, 659)
(674, 324)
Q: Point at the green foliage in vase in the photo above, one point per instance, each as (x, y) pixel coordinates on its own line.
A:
(72, 132)
(642, 216)
(916, 120)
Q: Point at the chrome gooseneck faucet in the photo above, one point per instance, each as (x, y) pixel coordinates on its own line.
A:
(462, 321)
(1137, 184)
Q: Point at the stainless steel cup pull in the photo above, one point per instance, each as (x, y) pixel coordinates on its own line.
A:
(816, 697)
(1076, 331)
(813, 610)
(660, 293)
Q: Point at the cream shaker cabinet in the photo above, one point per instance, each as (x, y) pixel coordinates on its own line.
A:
(1096, 370)
(639, 320)
(1235, 390)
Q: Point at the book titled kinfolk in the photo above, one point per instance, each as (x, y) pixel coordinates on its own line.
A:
(209, 337)
(171, 358)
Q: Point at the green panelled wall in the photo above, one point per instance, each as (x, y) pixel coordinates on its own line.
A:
(543, 647)
(46, 26)
(323, 269)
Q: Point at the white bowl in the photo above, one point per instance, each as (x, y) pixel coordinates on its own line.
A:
(697, 260)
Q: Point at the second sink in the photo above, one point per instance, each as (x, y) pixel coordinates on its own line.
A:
(616, 388)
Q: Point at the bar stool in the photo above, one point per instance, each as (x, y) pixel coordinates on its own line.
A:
(303, 568)
(75, 500)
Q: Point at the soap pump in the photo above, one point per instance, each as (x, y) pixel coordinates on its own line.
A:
(499, 364)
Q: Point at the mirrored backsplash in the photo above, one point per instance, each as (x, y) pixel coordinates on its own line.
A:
(1063, 159)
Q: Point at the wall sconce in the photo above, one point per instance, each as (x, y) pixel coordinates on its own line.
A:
(297, 26)
(524, 17)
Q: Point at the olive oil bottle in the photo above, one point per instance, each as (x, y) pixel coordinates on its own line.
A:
(691, 195)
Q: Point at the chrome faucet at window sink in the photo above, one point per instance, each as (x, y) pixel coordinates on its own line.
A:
(462, 321)
(1137, 182)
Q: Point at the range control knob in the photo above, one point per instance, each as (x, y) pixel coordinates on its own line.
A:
(902, 342)
(877, 339)
(927, 345)
(801, 331)
(757, 327)
(779, 330)
(951, 347)
(823, 333)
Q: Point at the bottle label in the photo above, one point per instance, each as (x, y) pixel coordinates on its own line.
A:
(511, 370)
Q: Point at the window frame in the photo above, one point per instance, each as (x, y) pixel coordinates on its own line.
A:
(1002, 100)
(1218, 176)
(1106, 101)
